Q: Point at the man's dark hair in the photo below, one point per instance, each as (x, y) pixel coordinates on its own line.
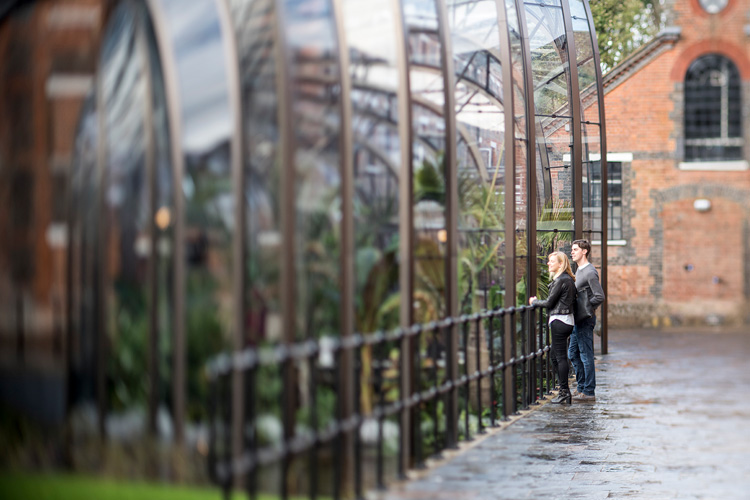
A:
(584, 245)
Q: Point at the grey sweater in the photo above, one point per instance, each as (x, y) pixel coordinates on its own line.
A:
(588, 277)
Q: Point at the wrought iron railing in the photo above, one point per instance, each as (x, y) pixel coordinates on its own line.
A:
(439, 395)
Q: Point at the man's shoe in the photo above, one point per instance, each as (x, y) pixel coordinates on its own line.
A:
(584, 398)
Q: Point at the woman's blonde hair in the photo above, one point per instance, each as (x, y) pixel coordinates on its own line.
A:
(563, 259)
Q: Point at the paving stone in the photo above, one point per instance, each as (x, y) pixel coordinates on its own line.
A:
(670, 422)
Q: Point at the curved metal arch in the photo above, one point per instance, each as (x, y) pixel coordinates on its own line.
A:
(363, 144)
(567, 56)
(531, 199)
(545, 12)
(489, 55)
(467, 81)
(393, 123)
(605, 177)
(481, 90)
(460, 129)
(347, 285)
(339, 86)
(80, 172)
(287, 146)
(150, 159)
(474, 151)
(510, 160)
(451, 206)
(237, 173)
(406, 226)
(575, 105)
(511, 170)
(179, 396)
(102, 173)
(162, 24)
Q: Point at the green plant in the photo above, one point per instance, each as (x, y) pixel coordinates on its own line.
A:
(323, 412)
(482, 208)
(429, 179)
(127, 375)
(432, 414)
(205, 337)
(557, 215)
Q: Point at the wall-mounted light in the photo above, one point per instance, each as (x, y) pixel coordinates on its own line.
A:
(163, 217)
(702, 205)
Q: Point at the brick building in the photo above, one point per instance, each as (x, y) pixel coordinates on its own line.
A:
(678, 123)
(48, 57)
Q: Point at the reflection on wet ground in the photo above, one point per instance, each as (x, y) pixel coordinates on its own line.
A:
(671, 421)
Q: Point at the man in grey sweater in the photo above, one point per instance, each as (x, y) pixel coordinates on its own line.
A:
(581, 350)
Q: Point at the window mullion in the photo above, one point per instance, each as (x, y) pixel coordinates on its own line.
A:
(724, 102)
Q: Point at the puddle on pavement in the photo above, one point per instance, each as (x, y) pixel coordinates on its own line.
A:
(545, 456)
(619, 416)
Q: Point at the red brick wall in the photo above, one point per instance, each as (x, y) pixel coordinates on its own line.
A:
(37, 131)
(647, 282)
(713, 254)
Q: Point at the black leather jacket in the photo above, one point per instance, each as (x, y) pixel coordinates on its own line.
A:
(562, 296)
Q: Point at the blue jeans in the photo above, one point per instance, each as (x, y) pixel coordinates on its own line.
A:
(581, 353)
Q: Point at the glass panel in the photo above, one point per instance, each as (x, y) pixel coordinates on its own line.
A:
(480, 153)
(163, 217)
(428, 150)
(584, 45)
(590, 129)
(520, 145)
(481, 170)
(427, 94)
(589, 93)
(83, 245)
(206, 186)
(310, 33)
(370, 32)
(551, 73)
(591, 170)
(314, 71)
(126, 203)
(254, 23)
(549, 58)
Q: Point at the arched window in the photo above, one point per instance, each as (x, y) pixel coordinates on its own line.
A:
(713, 110)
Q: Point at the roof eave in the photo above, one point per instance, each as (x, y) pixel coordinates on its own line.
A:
(664, 41)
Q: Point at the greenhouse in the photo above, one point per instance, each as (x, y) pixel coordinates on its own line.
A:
(304, 232)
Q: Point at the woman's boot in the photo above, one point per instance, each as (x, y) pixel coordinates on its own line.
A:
(563, 396)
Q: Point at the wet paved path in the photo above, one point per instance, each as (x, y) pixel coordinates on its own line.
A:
(671, 421)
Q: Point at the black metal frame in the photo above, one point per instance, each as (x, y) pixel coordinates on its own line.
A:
(530, 368)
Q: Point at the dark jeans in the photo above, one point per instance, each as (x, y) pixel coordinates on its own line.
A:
(581, 352)
(560, 333)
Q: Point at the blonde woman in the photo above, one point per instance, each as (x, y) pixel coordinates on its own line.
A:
(559, 304)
